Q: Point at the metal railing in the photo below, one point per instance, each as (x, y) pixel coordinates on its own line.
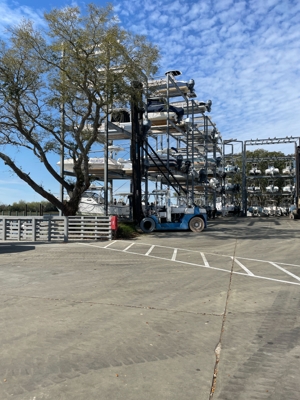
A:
(49, 228)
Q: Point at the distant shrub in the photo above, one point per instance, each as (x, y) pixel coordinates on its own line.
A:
(126, 230)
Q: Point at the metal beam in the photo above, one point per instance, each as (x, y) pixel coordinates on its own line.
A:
(257, 142)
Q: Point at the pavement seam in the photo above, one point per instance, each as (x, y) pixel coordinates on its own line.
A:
(265, 363)
(219, 345)
(114, 304)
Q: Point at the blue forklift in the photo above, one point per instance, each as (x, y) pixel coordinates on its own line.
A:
(163, 216)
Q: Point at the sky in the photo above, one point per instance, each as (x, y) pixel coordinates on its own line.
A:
(243, 55)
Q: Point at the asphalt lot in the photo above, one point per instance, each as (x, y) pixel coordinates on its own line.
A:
(173, 315)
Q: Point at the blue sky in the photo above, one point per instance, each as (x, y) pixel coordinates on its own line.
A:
(243, 55)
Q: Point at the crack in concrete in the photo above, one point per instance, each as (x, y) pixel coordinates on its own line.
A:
(219, 345)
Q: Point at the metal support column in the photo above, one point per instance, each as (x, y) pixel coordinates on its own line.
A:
(136, 146)
(106, 165)
(244, 180)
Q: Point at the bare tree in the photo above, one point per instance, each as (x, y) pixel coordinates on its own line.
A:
(57, 85)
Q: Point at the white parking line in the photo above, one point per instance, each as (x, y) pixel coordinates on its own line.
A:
(247, 273)
(264, 261)
(242, 266)
(183, 262)
(284, 270)
(128, 247)
(149, 251)
(174, 255)
(109, 244)
(205, 260)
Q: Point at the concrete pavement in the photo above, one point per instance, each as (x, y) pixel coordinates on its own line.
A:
(172, 315)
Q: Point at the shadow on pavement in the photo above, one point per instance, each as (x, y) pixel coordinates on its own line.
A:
(231, 228)
(14, 248)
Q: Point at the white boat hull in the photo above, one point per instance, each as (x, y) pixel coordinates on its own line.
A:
(160, 118)
(95, 164)
(99, 209)
(159, 88)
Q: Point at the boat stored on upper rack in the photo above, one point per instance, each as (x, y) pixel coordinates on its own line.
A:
(231, 169)
(95, 163)
(160, 161)
(271, 188)
(287, 170)
(254, 189)
(232, 187)
(271, 170)
(118, 126)
(158, 112)
(288, 188)
(193, 106)
(254, 170)
(174, 88)
(215, 184)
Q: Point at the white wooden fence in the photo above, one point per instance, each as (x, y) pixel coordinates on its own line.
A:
(49, 228)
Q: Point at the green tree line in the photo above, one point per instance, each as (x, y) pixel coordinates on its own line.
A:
(32, 206)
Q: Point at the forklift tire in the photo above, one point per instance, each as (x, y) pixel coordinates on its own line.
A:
(196, 224)
(147, 225)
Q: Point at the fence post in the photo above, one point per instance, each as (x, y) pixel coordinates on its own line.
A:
(4, 229)
(34, 229)
(49, 230)
(66, 229)
(19, 229)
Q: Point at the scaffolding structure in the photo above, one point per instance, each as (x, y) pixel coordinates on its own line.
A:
(192, 144)
(178, 147)
(291, 159)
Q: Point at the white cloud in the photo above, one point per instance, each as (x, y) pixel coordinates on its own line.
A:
(222, 5)
(244, 55)
(14, 14)
(237, 51)
(196, 10)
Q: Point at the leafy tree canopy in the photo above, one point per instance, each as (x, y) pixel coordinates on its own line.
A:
(58, 83)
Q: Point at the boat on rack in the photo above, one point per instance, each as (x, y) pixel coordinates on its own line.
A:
(173, 88)
(271, 209)
(288, 188)
(271, 170)
(231, 169)
(193, 106)
(158, 112)
(256, 210)
(96, 164)
(118, 126)
(126, 165)
(92, 202)
(287, 170)
(254, 189)
(271, 188)
(254, 170)
(232, 187)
